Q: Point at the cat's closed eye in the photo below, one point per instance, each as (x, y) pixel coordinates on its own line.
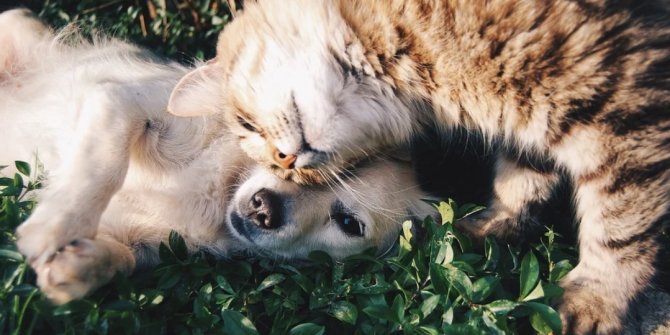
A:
(246, 124)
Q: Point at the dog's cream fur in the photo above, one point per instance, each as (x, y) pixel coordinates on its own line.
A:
(123, 173)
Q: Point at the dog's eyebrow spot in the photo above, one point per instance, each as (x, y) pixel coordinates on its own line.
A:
(338, 207)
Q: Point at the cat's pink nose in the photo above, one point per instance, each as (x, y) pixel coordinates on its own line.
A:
(285, 161)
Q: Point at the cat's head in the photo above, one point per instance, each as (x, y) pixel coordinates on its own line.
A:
(295, 86)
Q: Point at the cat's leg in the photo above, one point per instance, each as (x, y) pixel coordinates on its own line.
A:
(520, 190)
(82, 266)
(93, 169)
(622, 209)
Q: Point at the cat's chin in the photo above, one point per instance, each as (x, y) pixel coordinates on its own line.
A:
(322, 174)
(300, 176)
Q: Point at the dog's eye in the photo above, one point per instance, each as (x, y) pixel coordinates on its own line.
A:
(349, 224)
(248, 126)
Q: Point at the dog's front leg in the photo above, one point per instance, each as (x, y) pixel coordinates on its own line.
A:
(93, 169)
(82, 266)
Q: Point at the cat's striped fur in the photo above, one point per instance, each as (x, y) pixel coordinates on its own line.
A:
(581, 85)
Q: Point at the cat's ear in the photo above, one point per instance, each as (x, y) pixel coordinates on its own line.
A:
(198, 92)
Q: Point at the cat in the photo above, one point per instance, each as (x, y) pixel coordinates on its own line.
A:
(577, 86)
(122, 172)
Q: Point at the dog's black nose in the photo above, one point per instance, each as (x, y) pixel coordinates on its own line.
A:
(265, 209)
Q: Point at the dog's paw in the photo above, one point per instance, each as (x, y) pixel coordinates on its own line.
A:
(585, 310)
(75, 270)
(46, 231)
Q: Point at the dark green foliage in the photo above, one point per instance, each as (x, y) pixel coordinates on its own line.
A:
(181, 29)
(438, 283)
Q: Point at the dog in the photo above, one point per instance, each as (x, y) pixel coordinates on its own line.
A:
(122, 173)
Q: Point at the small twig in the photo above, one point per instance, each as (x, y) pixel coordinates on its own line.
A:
(163, 6)
(104, 5)
(152, 9)
(143, 25)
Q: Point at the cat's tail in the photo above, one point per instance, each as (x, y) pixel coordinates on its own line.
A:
(20, 32)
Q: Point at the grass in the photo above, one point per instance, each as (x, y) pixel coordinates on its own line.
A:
(180, 29)
(437, 283)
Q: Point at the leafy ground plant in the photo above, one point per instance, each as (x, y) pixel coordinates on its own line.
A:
(181, 29)
(436, 282)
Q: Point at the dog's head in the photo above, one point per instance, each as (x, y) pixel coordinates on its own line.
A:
(280, 219)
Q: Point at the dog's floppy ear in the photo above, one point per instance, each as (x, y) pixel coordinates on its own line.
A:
(198, 92)
(20, 31)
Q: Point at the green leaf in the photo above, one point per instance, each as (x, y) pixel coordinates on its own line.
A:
(165, 254)
(428, 305)
(11, 254)
(398, 308)
(236, 323)
(4, 181)
(448, 315)
(407, 230)
(463, 241)
(18, 181)
(492, 252)
(461, 329)
(406, 238)
(11, 190)
(470, 259)
(428, 330)
(378, 287)
(439, 278)
(536, 293)
(469, 209)
(344, 311)
(502, 307)
(446, 212)
(444, 253)
(379, 312)
(169, 278)
(23, 167)
(538, 323)
(551, 291)
(270, 281)
(514, 254)
(224, 284)
(320, 257)
(307, 329)
(530, 272)
(460, 281)
(545, 317)
(178, 245)
(483, 287)
(559, 270)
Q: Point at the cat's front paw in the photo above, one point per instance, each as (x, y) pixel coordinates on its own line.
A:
(46, 231)
(75, 271)
(586, 310)
(502, 225)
